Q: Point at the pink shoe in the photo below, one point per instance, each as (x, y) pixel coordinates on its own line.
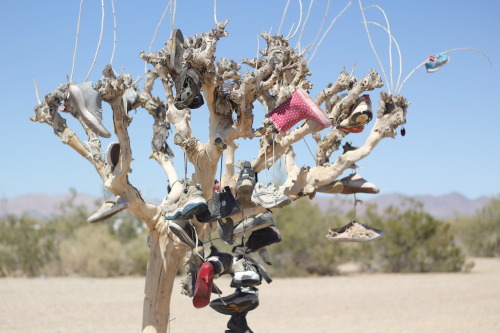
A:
(298, 107)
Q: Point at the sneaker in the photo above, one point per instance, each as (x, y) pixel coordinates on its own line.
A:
(225, 228)
(176, 50)
(108, 209)
(354, 183)
(269, 197)
(261, 270)
(354, 232)
(248, 278)
(298, 107)
(238, 324)
(222, 262)
(187, 89)
(130, 99)
(87, 103)
(184, 229)
(238, 302)
(203, 287)
(252, 223)
(113, 154)
(191, 203)
(262, 238)
(221, 206)
(361, 113)
(351, 184)
(246, 181)
(434, 62)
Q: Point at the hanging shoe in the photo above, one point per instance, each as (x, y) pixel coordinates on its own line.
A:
(130, 99)
(264, 255)
(225, 228)
(203, 287)
(187, 89)
(241, 301)
(269, 197)
(221, 261)
(245, 274)
(176, 50)
(87, 103)
(360, 115)
(113, 154)
(351, 184)
(434, 62)
(262, 238)
(252, 223)
(190, 203)
(222, 205)
(108, 209)
(238, 324)
(298, 107)
(245, 182)
(184, 229)
(354, 232)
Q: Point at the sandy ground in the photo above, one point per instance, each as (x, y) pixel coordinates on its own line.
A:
(353, 303)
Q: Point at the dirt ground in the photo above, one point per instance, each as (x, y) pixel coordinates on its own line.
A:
(464, 302)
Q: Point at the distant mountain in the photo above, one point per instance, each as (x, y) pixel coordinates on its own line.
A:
(43, 206)
(442, 207)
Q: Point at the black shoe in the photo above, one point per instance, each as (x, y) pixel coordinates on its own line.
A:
(187, 88)
(225, 228)
(262, 238)
(238, 324)
(183, 229)
(222, 205)
(246, 181)
(238, 302)
(222, 262)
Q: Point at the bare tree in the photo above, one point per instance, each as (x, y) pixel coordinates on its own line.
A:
(230, 96)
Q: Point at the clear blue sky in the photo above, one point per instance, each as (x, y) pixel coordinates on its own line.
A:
(452, 140)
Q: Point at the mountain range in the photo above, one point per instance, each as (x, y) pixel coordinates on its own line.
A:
(446, 206)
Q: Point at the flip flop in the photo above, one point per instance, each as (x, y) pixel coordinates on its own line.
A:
(203, 287)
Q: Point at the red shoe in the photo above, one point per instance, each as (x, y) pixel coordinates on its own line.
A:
(356, 129)
(203, 287)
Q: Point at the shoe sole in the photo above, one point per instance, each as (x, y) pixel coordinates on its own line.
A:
(188, 210)
(232, 308)
(101, 216)
(249, 229)
(203, 287)
(183, 236)
(245, 189)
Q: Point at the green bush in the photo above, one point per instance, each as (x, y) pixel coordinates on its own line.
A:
(480, 234)
(413, 242)
(93, 251)
(305, 249)
(26, 246)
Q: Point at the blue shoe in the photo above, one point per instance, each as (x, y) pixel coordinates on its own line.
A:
(434, 62)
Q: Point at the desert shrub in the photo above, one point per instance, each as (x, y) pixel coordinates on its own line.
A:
(304, 249)
(480, 234)
(413, 242)
(93, 251)
(26, 246)
(137, 253)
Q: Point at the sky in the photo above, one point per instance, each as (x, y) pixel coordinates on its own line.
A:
(452, 135)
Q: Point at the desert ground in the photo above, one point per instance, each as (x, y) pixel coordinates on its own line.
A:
(454, 302)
